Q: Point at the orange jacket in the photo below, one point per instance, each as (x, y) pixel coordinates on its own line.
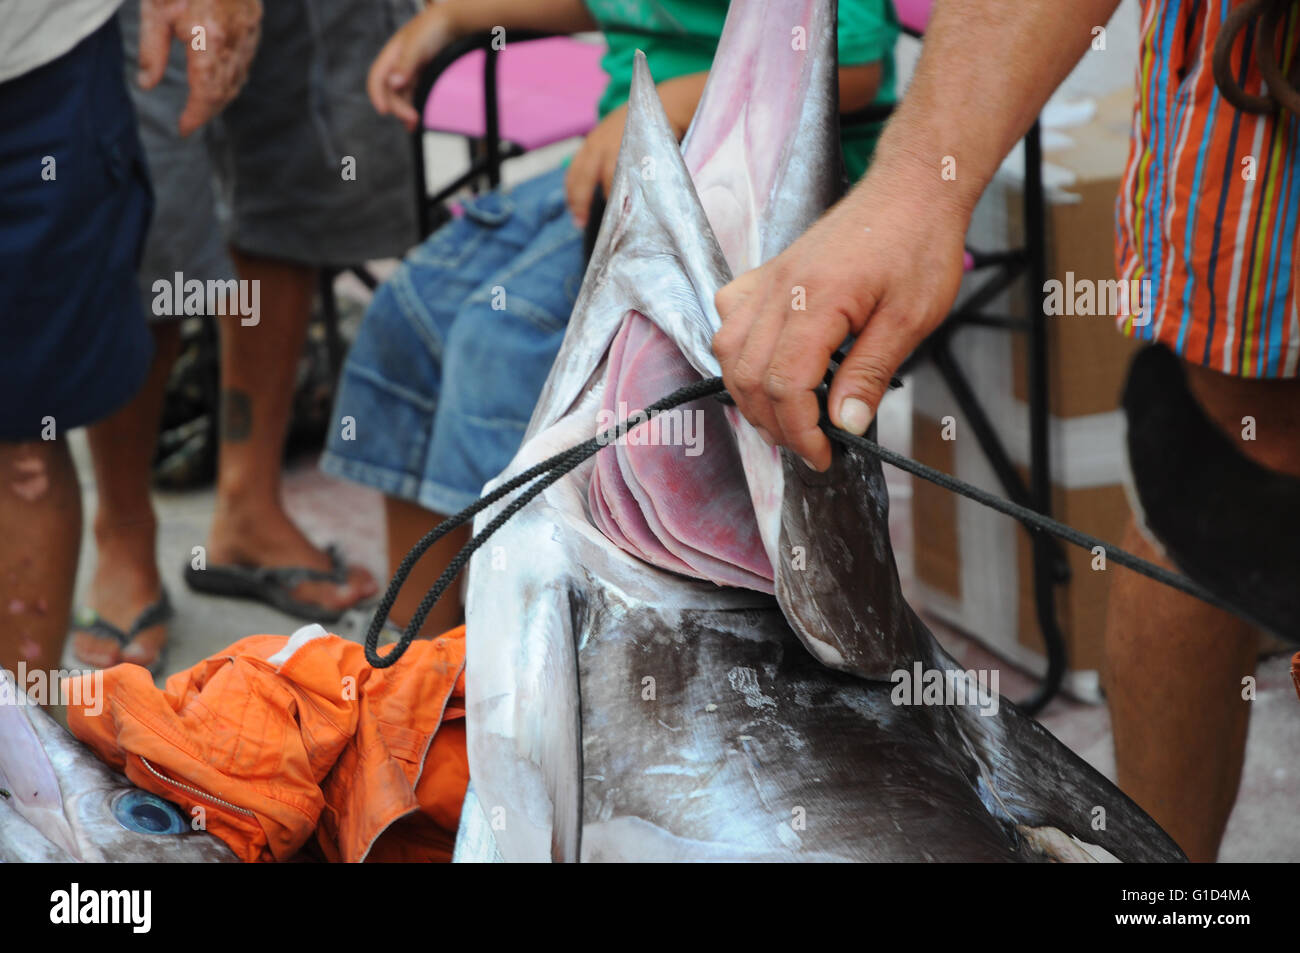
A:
(277, 737)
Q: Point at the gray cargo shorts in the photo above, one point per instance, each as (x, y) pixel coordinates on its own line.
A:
(298, 167)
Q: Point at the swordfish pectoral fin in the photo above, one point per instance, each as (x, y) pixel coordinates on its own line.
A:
(1046, 786)
(839, 587)
(1060, 805)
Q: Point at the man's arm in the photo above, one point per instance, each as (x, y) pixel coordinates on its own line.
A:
(220, 38)
(885, 263)
(391, 82)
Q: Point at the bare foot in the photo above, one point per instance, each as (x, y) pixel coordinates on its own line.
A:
(271, 540)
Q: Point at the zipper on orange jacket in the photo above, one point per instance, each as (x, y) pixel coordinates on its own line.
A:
(193, 790)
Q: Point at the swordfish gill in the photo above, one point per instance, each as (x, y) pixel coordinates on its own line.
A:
(683, 650)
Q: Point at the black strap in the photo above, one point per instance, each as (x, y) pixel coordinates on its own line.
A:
(549, 471)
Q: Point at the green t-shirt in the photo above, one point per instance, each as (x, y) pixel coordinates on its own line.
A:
(679, 37)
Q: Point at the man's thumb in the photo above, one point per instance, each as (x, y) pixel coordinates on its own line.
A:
(863, 379)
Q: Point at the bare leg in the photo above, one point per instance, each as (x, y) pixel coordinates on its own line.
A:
(259, 365)
(40, 521)
(407, 523)
(1174, 666)
(1173, 683)
(126, 578)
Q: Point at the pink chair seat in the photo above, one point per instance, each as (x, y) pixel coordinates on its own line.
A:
(547, 89)
(913, 14)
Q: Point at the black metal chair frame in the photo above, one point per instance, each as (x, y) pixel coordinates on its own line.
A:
(484, 168)
(1050, 567)
(487, 154)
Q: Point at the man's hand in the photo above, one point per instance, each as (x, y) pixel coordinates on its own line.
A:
(220, 38)
(391, 83)
(883, 265)
(595, 160)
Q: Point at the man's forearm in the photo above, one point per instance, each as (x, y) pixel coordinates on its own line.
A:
(986, 69)
(548, 16)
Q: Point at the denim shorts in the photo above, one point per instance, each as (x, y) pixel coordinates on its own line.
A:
(452, 355)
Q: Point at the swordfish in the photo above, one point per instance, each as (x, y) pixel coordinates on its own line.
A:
(696, 656)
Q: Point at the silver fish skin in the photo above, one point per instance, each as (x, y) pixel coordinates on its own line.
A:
(58, 797)
(616, 711)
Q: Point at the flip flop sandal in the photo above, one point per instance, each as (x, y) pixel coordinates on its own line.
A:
(272, 585)
(88, 620)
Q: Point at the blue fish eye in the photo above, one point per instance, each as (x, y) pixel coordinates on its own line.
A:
(145, 813)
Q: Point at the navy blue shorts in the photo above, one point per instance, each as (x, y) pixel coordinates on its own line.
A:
(74, 208)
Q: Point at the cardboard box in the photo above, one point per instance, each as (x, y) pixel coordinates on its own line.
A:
(972, 564)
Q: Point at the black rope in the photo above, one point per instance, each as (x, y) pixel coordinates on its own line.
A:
(544, 473)
(1267, 21)
(1036, 521)
(539, 477)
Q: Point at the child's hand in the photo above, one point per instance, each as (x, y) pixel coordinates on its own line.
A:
(594, 164)
(595, 161)
(391, 82)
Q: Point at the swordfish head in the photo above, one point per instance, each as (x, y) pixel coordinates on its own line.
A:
(60, 803)
(682, 650)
